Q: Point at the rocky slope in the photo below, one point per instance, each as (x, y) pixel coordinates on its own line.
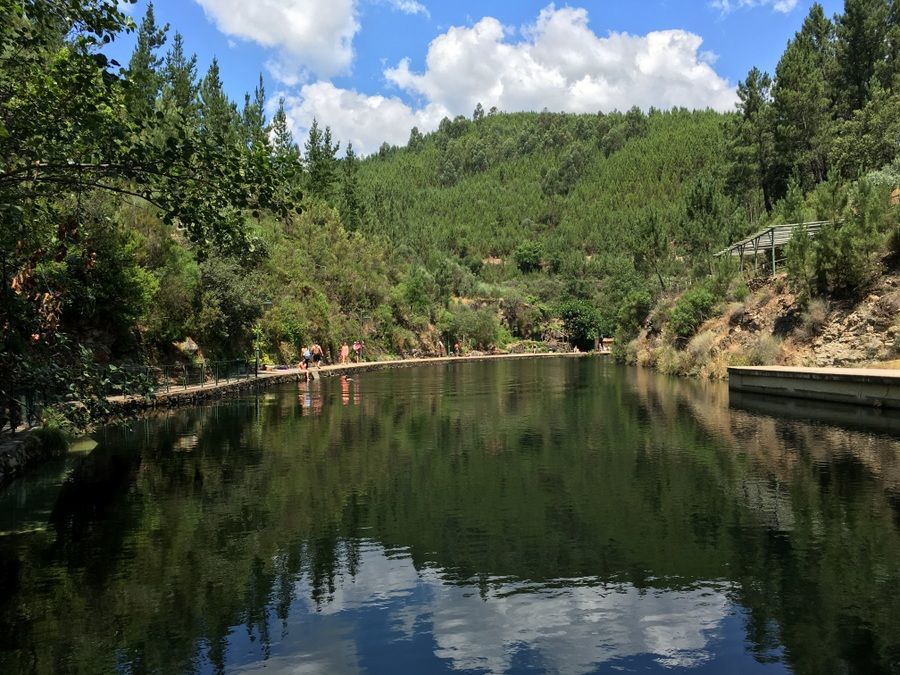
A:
(770, 327)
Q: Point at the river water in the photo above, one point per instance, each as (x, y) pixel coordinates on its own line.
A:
(557, 515)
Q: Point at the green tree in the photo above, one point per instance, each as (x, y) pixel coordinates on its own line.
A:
(801, 104)
(283, 144)
(415, 139)
(705, 220)
(650, 245)
(219, 119)
(691, 310)
(869, 138)
(862, 38)
(528, 256)
(321, 161)
(752, 140)
(179, 75)
(351, 204)
(144, 76)
(581, 321)
(253, 118)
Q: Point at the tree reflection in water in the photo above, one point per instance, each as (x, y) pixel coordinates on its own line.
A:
(564, 515)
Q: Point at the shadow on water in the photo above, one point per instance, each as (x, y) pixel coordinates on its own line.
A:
(857, 417)
(569, 516)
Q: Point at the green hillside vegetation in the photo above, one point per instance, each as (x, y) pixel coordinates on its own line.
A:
(547, 208)
(140, 206)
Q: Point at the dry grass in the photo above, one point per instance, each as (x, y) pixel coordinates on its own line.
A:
(735, 312)
(814, 318)
(766, 351)
(701, 345)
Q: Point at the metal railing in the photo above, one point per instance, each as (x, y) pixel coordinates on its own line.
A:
(25, 406)
(167, 378)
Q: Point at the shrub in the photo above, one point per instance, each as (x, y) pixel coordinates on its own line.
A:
(55, 431)
(765, 352)
(701, 346)
(667, 360)
(842, 259)
(814, 317)
(581, 321)
(735, 312)
(475, 328)
(633, 311)
(694, 307)
(740, 292)
(528, 256)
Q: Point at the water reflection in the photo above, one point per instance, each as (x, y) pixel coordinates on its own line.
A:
(570, 626)
(563, 516)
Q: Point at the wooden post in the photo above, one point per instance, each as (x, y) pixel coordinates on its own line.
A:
(772, 239)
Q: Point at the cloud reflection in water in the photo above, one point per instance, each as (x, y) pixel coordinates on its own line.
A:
(571, 627)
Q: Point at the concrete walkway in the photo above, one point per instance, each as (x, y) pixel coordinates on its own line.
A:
(863, 386)
(178, 395)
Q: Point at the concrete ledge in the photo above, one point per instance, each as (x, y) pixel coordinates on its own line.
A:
(124, 406)
(860, 386)
(21, 452)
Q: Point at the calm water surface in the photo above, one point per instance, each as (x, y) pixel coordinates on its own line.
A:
(562, 516)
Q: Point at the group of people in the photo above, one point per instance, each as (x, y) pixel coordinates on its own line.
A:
(357, 352)
(313, 356)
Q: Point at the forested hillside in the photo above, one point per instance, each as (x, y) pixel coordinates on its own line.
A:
(141, 206)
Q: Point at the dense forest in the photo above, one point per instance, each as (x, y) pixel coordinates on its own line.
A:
(140, 206)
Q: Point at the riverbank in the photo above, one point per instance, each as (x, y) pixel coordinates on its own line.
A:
(125, 406)
(27, 449)
(772, 326)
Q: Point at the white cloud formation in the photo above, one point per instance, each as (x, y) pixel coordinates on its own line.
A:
(561, 64)
(783, 6)
(409, 7)
(307, 35)
(366, 121)
(572, 629)
(558, 63)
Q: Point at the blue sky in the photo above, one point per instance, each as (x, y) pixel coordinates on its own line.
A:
(371, 69)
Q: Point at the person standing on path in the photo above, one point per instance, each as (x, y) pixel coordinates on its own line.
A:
(345, 354)
(317, 355)
(357, 350)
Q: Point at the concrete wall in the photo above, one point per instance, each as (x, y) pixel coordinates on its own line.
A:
(859, 386)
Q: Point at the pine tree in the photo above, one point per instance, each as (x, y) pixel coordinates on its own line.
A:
(351, 206)
(862, 38)
(219, 116)
(254, 117)
(889, 70)
(801, 104)
(752, 141)
(283, 144)
(321, 161)
(180, 78)
(144, 67)
(416, 140)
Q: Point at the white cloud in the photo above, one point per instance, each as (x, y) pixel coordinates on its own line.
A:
(366, 121)
(409, 7)
(572, 629)
(783, 6)
(557, 63)
(313, 35)
(561, 64)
